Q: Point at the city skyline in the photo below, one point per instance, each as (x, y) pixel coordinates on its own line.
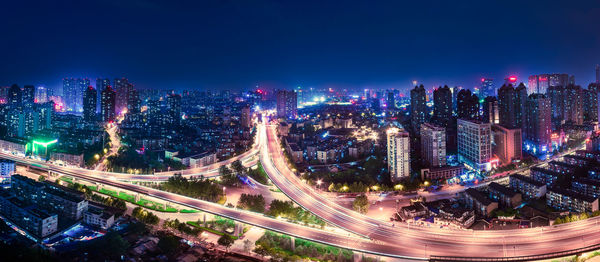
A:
(168, 46)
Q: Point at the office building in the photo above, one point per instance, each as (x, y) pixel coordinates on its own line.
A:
(418, 107)
(101, 84)
(41, 94)
(287, 104)
(538, 126)
(73, 89)
(567, 104)
(390, 100)
(490, 110)
(487, 87)
(108, 104)
(442, 106)
(15, 96)
(121, 86)
(474, 144)
(246, 117)
(507, 143)
(539, 84)
(28, 97)
(467, 105)
(398, 153)
(511, 105)
(89, 104)
(529, 188)
(433, 145)
(98, 217)
(174, 109)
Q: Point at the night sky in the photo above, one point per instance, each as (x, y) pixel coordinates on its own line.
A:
(354, 44)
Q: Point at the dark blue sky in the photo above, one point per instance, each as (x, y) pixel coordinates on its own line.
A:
(237, 44)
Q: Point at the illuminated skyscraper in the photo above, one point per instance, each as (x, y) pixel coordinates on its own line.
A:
(28, 96)
(490, 110)
(108, 104)
(398, 153)
(511, 103)
(467, 105)
(121, 88)
(418, 107)
(487, 87)
(89, 104)
(41, 94)
(174, 108)
(537, 129)
(433, 145)
(287, 104)
(540, 83)
(474, 144)
(442, 105)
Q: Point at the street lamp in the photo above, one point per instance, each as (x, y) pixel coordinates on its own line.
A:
(398, 187)
(96, 156)
(426, 183)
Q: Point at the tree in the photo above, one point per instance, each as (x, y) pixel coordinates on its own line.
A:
(115, 243)
(226, 241)
(361, 204)
(238, 167)
(41, 178)
(247, 245)
(168, 244)
(228, 177)
(254, 203)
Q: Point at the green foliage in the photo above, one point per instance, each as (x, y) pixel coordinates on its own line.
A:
(182, 227)
(41, 178)
(226, 241)
(197, 188)
(259, 174)
(145, 216)
(280, 248)
(361, 204)
(254, 203)
(169, 244)
(228, 177)
(286, 209)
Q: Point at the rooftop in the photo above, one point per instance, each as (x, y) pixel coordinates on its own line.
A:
(501, 189)
(527, 179)
(478, 196)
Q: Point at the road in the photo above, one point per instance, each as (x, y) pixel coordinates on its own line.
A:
(379, 237)
(424, 241)
(115, 144)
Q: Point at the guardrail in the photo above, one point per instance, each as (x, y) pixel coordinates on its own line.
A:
(571, 252)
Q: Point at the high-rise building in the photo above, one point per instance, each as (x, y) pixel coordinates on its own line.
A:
(89, 104)
(590, 102)
(41, 94)
(174, 108)
(467, 104)
(28, 96)
(540, 83)
(287, 104)
(507, 143)
(490, 110)
(474, 144)
(73, 93)
(442, 105)
(418, 107)
(433, 145)
(398, 153)
(108, 104)
(391, 101)
(511, 103)
(101, 84)
(15, 96)
(246, 117)
(567, 104)
(537, 129)
(487, 87)
(121, 87)
(133, 103)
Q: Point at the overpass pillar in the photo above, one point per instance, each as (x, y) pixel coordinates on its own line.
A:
(137, 197)
(293, 243)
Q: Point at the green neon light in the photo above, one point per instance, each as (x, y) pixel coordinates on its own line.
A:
(45, 144)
